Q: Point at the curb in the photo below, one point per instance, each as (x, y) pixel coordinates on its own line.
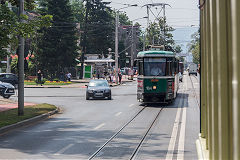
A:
(27, 121)
(201, 148)
(42, 87)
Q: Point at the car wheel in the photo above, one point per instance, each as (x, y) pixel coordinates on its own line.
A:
(6, 96)
(87, 97)
(109, 97)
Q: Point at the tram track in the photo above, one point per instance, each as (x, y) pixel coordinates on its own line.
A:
(140, 142)
(194, 90)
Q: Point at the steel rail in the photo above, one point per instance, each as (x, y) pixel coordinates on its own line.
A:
(195, 95)
(110, 139)
(144, 136)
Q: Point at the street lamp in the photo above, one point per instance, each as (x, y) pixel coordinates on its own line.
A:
(116, 39)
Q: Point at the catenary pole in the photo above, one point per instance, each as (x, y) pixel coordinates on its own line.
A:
(116, 46)
(21, 66)
(84, 40)
(116, 39)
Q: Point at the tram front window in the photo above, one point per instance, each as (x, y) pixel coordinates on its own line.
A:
(154, 66)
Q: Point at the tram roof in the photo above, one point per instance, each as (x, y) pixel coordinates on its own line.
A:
(154, 53)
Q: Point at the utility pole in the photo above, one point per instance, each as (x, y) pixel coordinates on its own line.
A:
(132, 52)
(116, 46)
(116, 38)
(8, 64)
(21, 66)
(164, 24)
(84, 41)
(163, 5)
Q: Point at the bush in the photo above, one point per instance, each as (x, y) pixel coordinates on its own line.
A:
(41, 82)
(56, 79)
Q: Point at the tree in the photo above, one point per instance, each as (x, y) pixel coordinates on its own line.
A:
(124, 19)
(11, 28)
(57, 48)
(160, 33)
(193, 47)
(100, 28)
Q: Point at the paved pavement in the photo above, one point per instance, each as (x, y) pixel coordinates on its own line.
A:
(84, 126)
(6, 104)
(77, 83)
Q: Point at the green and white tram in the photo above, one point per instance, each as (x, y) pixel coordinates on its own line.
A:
(158, 79)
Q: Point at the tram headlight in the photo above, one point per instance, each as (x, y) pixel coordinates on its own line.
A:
(140, 83)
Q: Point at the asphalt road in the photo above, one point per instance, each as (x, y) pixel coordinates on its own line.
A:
(84, 126)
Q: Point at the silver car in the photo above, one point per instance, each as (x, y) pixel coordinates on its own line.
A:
(98, 89)
(6, 89)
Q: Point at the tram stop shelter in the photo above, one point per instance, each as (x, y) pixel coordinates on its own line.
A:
(97, 67)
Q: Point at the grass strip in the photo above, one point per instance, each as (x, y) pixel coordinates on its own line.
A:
(11, 116)
(50, 83)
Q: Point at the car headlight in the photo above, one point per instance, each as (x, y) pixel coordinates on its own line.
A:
(2, 86)
(107, 91)
(90, 91)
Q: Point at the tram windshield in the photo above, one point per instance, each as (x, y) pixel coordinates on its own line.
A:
(155, 66)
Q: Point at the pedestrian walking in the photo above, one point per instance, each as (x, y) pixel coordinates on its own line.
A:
(69, 76)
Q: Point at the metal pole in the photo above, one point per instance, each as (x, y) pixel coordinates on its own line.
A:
(164, 25)
(8, 64)
(132, 50)
(116, 46)
(144, 41)
(21, 67)
(84, 41)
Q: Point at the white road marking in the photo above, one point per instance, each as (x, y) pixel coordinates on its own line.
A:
(118, 114)
(180, 153)
(99, 126)
(131, 105)
(174, 134)
(64, 149)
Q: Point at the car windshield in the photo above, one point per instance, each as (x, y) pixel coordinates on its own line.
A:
(155, 66)
(98, 84)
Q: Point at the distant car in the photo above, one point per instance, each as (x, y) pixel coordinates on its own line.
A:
(6, 89)
(180, 77)
(193, 69)
(98, 89)
(9, 78)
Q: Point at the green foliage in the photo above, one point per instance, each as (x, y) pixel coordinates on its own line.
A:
(123, 19)
(194, 47)
(11, 28)
(57, 47)
(155, 33)
(78, 10)
(43, 80)
(178, 49)
(100, 28)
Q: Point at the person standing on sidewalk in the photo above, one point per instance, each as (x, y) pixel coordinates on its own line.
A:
(120, 77)
(39, 77)
(69, 76)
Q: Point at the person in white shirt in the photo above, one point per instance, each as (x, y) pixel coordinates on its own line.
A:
(69, 75)
(156, 70)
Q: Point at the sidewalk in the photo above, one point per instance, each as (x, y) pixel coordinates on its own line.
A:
(6, 104)
(77, 83)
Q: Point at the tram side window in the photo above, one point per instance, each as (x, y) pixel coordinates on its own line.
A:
(140, 67)
(169, 67)
(176, 66)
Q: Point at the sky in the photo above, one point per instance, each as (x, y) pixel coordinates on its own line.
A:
(183, 15)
